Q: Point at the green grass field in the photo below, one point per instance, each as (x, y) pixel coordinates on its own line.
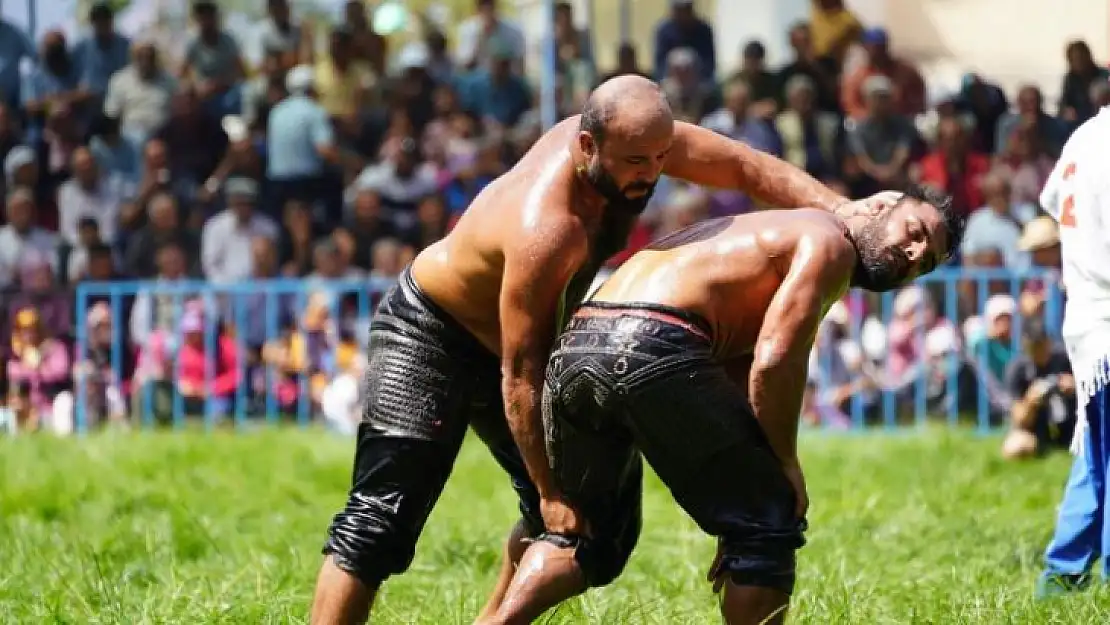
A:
(224, 528)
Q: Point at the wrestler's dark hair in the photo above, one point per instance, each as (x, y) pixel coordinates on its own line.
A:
(954, 222)
(596, 117)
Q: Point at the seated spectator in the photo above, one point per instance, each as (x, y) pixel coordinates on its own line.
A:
(38, 370)
(258, 315)
(92, 194)
(194, 141)
(213, 62)
(997, 225)
(691, 98)
(809, 135)
(278, 31)
(38, 290)
(1083, 73)
(294, 248)
(50, 84)
(328, 263)
(478, 35)
(16, 51)
(1026, 164)
(99, 56)
(907, 88)
(1043, 413)
(441, 67)
(225, 247)
(387, 259)
(114, 155)
(684, 29)
(20, 237)
(431, 222)
(495, 92)
(763, 86)
(366, 225)
(627, 63)
(915, 318)
(139, 95)
(954, 167)
(992, 351)
(840, 372)
(163, 227)
(945, 360)
(736, 121)
(821, 73)
(986, 103)
(341, 400)
(470, 174)
(265, 89)
(880, 144)
(344, 83)
(155, 310)
(1030, 114)
(309, 351)
(400, 182)
(835, 29)
(103, 389)
(88, 234)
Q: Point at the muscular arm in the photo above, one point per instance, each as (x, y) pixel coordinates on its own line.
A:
(536, 269)
(818, 274)
(706, 158)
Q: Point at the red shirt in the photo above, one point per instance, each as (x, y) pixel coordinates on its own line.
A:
(964, 189)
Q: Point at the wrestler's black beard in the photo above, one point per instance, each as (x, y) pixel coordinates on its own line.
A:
(880, 267)
(606, 185)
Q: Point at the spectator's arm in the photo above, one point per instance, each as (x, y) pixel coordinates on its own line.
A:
(851, 94)
(211, 254)
(323, 137)
(33, 98)
(1023, 412)
(228, 380)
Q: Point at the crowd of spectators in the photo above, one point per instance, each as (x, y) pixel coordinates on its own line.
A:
(337, 158)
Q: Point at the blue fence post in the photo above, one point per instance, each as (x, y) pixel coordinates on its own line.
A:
(888, 395)
(179, 337)
(212, 356)
(955, 361)
(80, 415)
(239, 315)
(270, 377)
(303, 398)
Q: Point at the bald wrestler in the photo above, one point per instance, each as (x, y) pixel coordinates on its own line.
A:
(464, 337)
(694, 354)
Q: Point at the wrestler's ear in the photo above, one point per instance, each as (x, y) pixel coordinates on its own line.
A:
(587, 144)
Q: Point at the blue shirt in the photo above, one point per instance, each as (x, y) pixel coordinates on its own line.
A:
(14, 47)
(296, 128)
(988, 230)
(95, 65)
(40, 84)
(669, 36)
(121, 158)
(506, 102)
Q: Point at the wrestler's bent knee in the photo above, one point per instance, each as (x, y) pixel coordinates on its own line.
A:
(766, 566)
(366, 543)
(601, 561)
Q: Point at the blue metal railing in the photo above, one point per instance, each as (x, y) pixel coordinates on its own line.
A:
(249, 314)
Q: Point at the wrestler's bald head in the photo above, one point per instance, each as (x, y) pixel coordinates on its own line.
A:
(625, 134)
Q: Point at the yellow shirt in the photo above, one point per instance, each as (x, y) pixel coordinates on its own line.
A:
(339, 92)
(828, 28)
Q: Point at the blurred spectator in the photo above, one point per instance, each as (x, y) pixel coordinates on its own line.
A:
(1027, 164)
(52, 83)
(880, 144)
(995, 226)
(329, 263)
(99, 56)
(431, 222)
(821, 73)
(1040, 380)
(1041, 240)
(387, 259)
(300, 146)
(478, 34)
(763, 86)
(413, 88)
(9, 133)
(114, 155)
(691, 98)
(295, 240)
(16, 51)
(992, 351)
(344, 83)
(155, 311)
(367, 226)
(21, 169)
(809, 135)
(569, 36)
(627, 63)
(243, 159)
(194, 141)
(279, 33)
(367, 45)
(834, 29)
(1076, 106)
(163, 228)
(915, 318)
(685, 30)
(495, 92)
(907, 86)
(38, 370)
(88, 235)
(102, 268)
(577, 72)
(262, 92)
(736, 121)
(310, 351)
(987, 103)
(341, 400)
(1050, 133)
(213, 62)
(225, 247)
(90, 194)
(104, 390)
(441, 68)
(954, 167)
(38, 290)
(261, 313)
(840, 372)
(21, 238)
(139, 95)
(400, 182)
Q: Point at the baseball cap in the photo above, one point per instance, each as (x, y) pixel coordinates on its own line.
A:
(875, 36)
(999, 305)
(1039, 233)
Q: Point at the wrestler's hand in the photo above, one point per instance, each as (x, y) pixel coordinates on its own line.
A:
(559, 517)
(793, 472)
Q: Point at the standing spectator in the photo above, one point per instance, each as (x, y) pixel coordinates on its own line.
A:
(16, 49)
(213, 62)
(684, 29)
(987, 103)
(809, 135)
(690, 97)
(907, 86)
(1040, 380)
(225, 247)
(51, 84)
(99, 56)
(834, 29)
(763, 86)
(139, 95)
(262, 92)
(496, 92)
(300, 147)
(278, 32)
(567, 33)
(1075, 100)
(90, 194)
(344, 83)
(879, 145)
(368, 46)
(954, 167)
(1030, 113)
(195, 143)
(807, 63)
(995, 225)
(20, 237)
(627, 63)
(476, 33)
